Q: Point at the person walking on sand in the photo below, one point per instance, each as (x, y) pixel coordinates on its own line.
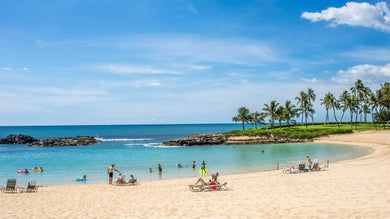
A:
(110, 172)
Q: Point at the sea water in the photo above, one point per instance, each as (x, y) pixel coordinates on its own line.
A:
(136, 148)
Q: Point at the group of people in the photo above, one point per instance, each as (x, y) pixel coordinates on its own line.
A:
(303, 167)
(121, 178)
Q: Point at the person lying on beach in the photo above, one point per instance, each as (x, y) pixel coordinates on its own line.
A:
(291, 169)
(214, 178)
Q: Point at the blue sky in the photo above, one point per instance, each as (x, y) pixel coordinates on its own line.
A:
(181, 61)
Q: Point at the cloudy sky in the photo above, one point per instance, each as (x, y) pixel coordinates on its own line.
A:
(181, 61)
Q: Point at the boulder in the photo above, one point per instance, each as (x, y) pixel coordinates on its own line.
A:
(68, 141)
(18, 139)
(203, 139)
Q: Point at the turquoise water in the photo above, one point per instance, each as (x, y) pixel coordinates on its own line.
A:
(136, 148)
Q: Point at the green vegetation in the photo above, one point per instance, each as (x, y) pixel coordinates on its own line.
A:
(358, 101)
(302, 132)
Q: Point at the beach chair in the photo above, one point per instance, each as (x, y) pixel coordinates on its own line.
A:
(302, 167)
(11, 186)
(208, 187)
(31, 186)
(196, 188)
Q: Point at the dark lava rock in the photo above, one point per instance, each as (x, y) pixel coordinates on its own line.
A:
(18, 139)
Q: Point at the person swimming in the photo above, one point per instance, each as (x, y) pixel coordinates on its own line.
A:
(82, 179)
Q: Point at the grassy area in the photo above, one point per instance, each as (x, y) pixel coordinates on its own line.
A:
(303, 132)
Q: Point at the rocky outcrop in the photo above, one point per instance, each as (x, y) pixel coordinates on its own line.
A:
(18, 139)
(204, 139)
(69, 141)
(262, 140)
(219, 139)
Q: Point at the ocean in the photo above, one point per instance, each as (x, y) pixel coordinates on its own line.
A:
(136, 148)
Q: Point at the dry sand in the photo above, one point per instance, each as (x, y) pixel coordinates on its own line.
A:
(358, 188)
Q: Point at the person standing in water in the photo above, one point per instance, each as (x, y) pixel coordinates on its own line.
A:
(203, 170)
(193, 165)
(159, 169)
(110, 172)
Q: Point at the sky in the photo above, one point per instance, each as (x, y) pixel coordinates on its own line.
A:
(181, 61)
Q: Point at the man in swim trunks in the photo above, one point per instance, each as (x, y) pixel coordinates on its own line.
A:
(110, 171)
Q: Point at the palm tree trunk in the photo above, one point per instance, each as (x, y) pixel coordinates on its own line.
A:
(351, 114)
(334, 114)
(341, 119)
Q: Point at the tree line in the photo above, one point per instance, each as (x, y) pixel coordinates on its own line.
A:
(359, 101)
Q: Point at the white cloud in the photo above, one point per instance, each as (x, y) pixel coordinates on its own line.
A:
(355, 14)
(123, 69)
(16, 69)
(373, 54)
(371, 74)
(310, 80)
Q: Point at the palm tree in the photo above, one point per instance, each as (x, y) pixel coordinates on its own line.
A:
(270, 110)
(348, 102)
(374, 102)
(280, 115)
(330, 102)
(289, 112)
(301, 101)
(257, 118)
(243, 116)
(311, 97)
(384, 101)
(358, 93)
(326, 101)
(365, 110)
(343, 99)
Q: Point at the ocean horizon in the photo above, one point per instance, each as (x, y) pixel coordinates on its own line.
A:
(136, 148)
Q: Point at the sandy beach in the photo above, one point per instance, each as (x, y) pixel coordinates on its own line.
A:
(358, 188)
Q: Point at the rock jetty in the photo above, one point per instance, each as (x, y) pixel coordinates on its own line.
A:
(18, 139)
(203, 139)
(68, 141)
(220, 139)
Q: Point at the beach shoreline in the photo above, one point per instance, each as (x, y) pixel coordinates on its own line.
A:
(358, 187)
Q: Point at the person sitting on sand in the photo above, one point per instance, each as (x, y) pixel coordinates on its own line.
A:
(132, 180)
(120, 179)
